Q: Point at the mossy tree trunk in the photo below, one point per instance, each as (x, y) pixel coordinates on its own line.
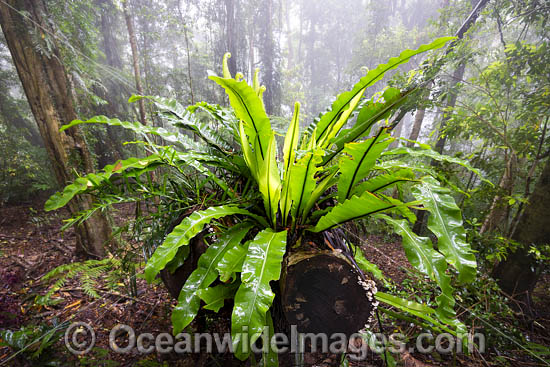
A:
(519, 273)
(38, 62)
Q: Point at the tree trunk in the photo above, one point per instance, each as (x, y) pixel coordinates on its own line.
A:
(458, 75)
(268, 61)
(114, 89)
(497, 216)
(459, 71)
(186, 36)
(48, 91)
(519, 273)
(321, 293)
(135, 59)
(230, 35)
(415, 131)
(290, 58)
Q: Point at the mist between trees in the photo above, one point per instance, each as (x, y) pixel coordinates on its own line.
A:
(332, 165)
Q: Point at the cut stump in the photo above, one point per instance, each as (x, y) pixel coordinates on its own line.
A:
(322, 292)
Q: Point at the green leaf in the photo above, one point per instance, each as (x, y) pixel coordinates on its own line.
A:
(417, 309)
(174, 113)
(232, 262)
(445, 221)
(384, 181)
(269, 359)
(367, 266)
(372, 112)
(136, 127)
(319, 190)
(205, 273)
(248, 154)
(269, 181)
(303, 181)
(354, 208)
(358, 160)
(289, 156)
(254, 297)
(423, 257)
(343, 101)
(325, 141)
(214, 297)
(184, 232)
(130, 166)
(436, 156)
(249, 108)
(225, 67)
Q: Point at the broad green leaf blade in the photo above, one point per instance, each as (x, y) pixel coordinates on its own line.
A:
(289, 155)
(232, 262)
(422, 256)
(355, 207)
(384, 181)
(325, 141)
(342, 102)
(249, 156)
(400, 207)
(184, 232)
(269, 181)
(428, 153)
(319, 190)
(269, 359)
(372, 112)
(249, 108)
(93, 180)
(254, 297)
(291, 139)
(214, 297)
(414, 308)
(445, 221)
(303, 181)
(358, 160)
(367, 266)
(205, 273)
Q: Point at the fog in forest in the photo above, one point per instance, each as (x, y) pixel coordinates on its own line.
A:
(214, 166)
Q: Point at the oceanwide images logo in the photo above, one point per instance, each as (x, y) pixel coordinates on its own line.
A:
(80, 339)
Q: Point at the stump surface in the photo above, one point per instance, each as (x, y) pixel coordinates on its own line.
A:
(321, 293)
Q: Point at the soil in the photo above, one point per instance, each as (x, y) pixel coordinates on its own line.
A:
(32, 244)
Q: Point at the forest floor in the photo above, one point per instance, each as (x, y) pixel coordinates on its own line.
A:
(31, 244)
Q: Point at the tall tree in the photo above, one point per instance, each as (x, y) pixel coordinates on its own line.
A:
(519, 273)
(458, 73)
(113, 90)
(187, 50)
(35, 54)
(230, 34)
(135, 58)
(268, 51)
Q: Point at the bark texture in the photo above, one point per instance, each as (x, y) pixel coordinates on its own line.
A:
(417, 125)
(49, 93)
(135, 58)
(519, 273)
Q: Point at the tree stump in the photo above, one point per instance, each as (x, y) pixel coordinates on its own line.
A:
(174, 281)
(322, 292)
